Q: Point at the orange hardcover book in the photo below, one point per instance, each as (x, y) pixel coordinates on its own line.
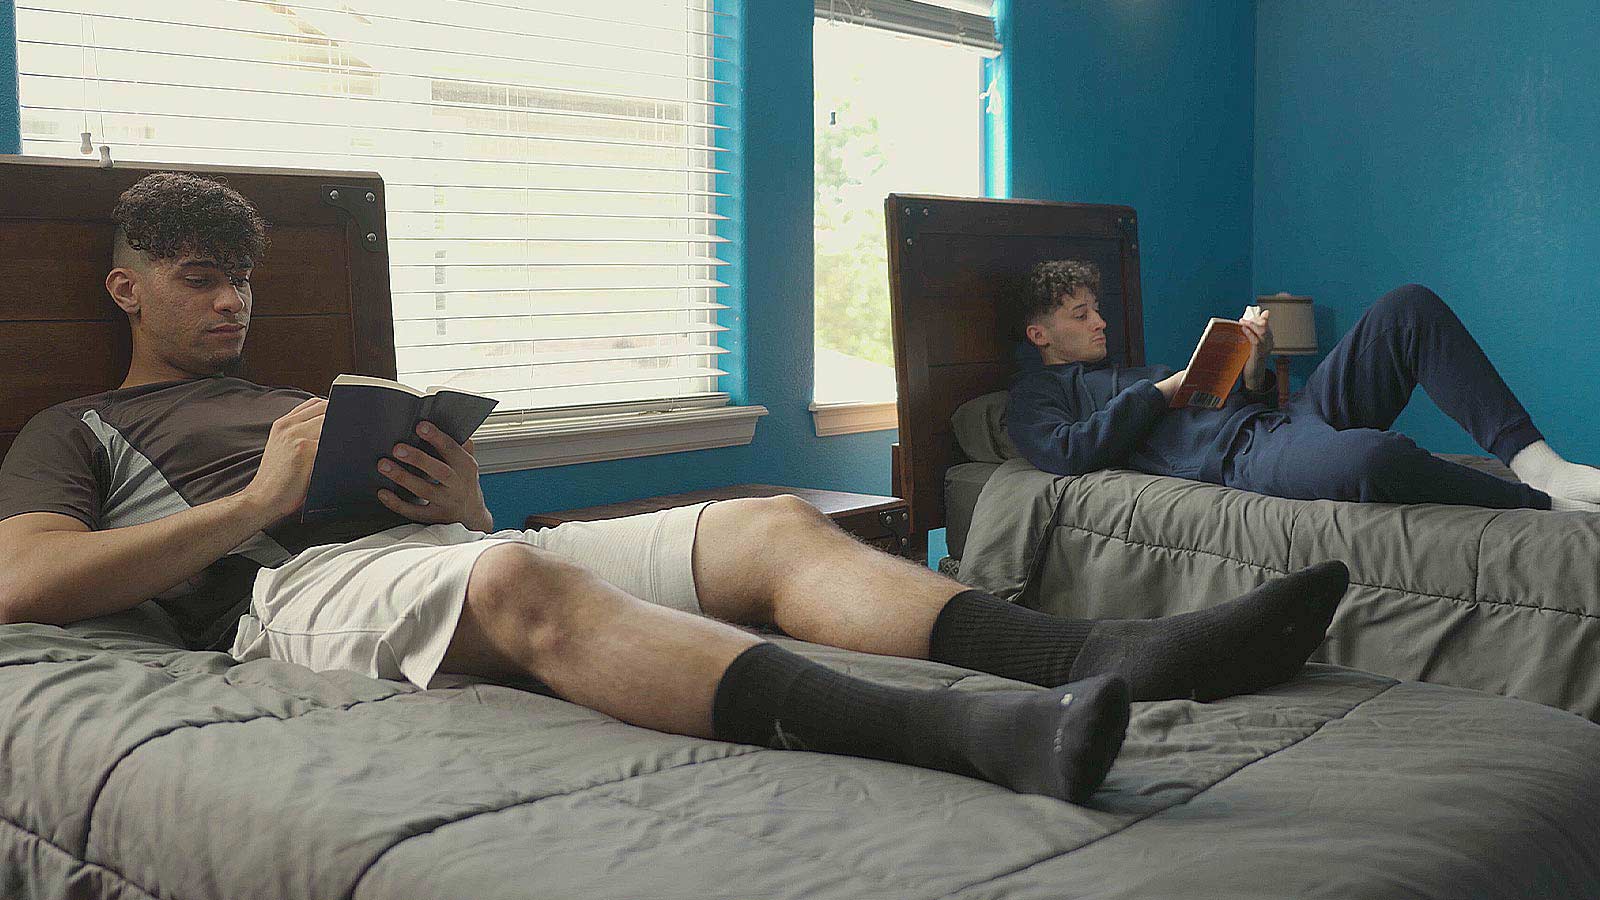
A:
(1218, 360)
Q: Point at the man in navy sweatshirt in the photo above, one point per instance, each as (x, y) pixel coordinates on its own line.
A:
(1073, 411)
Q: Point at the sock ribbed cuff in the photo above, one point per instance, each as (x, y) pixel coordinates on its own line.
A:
(751, 692)
(979, 631)
(771, 697)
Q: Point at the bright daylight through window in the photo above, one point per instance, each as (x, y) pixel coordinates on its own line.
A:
(550, 167)
(894, 113)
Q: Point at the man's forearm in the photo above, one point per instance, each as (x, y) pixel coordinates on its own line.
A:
(65, 576)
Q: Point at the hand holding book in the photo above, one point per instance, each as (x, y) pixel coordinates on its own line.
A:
(369, 420)
(447, 490)
(1259, 330)
(1225, 350)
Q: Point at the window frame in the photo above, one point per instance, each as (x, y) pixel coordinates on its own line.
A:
(833, 418)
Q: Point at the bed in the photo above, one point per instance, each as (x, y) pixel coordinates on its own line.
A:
(131, 767)
(1505, 601)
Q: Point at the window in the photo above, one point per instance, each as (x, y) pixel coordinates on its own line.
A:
(896, 110)
(551, 168)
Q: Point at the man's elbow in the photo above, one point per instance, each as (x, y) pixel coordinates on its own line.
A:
(10, 611)
(16, 606)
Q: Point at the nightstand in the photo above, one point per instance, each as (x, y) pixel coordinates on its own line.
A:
(883, 522)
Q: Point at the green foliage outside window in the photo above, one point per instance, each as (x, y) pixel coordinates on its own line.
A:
(852, 281)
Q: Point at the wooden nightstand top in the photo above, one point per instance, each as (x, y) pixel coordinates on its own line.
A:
(830, 503)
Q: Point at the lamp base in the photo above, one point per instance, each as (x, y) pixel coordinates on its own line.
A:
(1282, 371)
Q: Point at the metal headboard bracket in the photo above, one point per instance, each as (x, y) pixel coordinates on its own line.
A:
(363, 206)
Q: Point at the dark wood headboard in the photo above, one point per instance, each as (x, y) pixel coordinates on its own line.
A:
(322, 304)
(952, 261)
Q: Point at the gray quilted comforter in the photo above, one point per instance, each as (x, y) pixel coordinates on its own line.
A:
(130, 769)
(1498, 600)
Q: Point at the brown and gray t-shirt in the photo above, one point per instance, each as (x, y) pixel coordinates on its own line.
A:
(134, 455)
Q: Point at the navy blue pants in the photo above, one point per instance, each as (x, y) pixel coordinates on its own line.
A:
(1333, 442)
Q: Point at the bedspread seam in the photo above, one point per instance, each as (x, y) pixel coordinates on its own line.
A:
(111, 770)
(1477, 559)
(1133, 509)
(1294, 523)
(18, 826)
(472, 814)
(1493, 601)
(884, 878)
(1184, 802)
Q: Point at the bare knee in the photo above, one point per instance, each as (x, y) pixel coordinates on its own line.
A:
(518, 599)
(788, 514)
(772, 522)
(744, 548)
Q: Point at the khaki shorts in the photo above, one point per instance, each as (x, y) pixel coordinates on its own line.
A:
(387, 605)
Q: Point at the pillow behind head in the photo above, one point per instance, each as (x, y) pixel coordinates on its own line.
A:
(980, 426)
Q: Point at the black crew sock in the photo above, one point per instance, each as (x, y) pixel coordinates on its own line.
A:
(1251, 642)
(1059, 743)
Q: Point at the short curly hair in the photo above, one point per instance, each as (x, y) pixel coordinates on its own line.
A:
(170, 214)
(1051, 281)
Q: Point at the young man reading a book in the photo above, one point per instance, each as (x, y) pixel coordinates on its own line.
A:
(1071, 410)
(183, 483)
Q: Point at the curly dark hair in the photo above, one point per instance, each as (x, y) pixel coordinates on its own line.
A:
(171, 214)
(1049, 282)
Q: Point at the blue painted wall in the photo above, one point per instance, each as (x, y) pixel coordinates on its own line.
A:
(1147, 103)
(1450, 144)
(10, 125)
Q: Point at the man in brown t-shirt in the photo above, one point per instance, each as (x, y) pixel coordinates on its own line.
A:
(182, 485)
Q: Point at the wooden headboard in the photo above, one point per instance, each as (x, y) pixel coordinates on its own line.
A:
(952, 262)
(322, 303)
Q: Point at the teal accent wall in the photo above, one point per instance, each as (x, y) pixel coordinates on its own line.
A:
(1148, 103)
(1450, 144)
(731, 115)
(10, 116)
(996, 129)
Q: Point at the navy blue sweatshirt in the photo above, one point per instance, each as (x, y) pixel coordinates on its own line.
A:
(1074, 418)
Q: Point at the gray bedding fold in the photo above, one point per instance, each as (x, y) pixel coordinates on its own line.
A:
(1506, 601)
(147, 771)
(963, 484)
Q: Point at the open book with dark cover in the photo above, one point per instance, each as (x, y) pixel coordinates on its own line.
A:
(366, 418)
(1218, 359)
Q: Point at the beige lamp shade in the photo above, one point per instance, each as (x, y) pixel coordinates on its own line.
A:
(1294, 323)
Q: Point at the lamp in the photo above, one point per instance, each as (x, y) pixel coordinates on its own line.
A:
(1294, 333)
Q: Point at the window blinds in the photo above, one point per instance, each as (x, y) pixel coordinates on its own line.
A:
(550, 166)
(969, 22)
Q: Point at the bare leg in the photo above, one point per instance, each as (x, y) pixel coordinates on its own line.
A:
(532, 612)
(777, 561)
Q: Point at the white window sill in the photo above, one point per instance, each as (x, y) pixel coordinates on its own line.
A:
(563, 442)
(853, 418)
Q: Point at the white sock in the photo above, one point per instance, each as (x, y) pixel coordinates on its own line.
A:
(1541, 467)
(1558, 502)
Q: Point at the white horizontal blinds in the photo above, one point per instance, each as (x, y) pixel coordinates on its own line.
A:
(550, 165)
(969, 22)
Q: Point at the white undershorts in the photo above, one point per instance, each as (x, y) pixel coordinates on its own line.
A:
(386, 605)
